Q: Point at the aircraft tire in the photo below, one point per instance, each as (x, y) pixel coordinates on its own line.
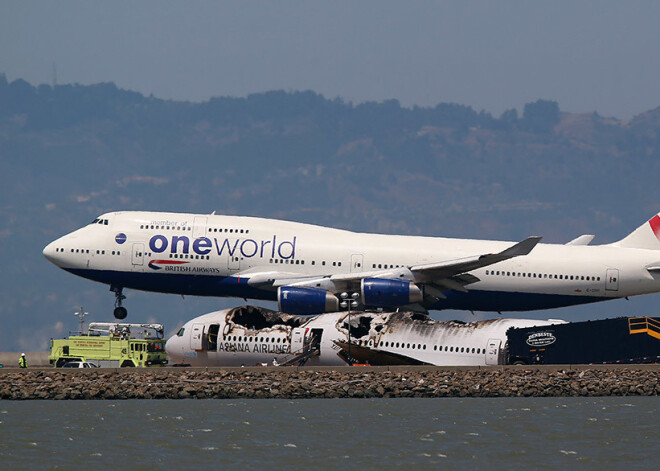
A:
(120, 312)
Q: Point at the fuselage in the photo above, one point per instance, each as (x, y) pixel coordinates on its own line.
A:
(214, 255)
(248, 336)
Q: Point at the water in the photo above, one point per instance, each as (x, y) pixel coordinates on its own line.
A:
(503, 433)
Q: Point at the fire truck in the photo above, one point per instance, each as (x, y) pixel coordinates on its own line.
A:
(112, 345)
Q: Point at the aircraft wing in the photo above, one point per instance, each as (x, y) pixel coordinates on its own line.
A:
(450, 268)
(448, 274)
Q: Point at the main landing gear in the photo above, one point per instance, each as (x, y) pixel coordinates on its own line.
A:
(120, 312)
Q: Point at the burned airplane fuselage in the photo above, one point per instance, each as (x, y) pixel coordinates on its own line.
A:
(249, 335)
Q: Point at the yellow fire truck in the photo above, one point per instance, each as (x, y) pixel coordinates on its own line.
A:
(112, 345)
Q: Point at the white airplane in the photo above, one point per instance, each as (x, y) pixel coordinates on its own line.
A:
(311, 269)
(249, 336)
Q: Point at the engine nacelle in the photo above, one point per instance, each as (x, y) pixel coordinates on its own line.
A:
(293, 300)
(382, 292)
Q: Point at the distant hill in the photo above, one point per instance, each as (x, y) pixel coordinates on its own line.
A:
(72, 152)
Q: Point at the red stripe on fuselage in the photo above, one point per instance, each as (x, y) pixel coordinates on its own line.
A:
(168, 262)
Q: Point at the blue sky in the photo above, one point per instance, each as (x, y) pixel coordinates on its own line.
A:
(590, 56)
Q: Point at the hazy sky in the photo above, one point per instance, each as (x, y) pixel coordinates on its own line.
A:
(593, 55)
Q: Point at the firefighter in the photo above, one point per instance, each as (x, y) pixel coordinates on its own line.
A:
(22, 361)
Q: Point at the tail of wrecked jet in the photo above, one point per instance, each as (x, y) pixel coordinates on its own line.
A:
(646, 236)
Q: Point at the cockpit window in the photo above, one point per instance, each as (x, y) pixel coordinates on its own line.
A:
(95, 221)
(180, 332)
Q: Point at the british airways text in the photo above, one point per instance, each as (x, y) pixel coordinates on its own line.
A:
(247, 248)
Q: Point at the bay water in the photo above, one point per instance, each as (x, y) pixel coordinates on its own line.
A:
(447, 433)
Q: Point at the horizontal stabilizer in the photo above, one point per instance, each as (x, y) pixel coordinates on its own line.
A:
(584, 239)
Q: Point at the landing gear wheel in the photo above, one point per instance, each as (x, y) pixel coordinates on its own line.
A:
(120, 313)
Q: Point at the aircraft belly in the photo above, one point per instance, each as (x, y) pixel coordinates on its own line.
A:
(478, 300)
(193, 285)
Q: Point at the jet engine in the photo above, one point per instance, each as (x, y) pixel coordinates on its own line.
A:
(382, 292)
(293, 300)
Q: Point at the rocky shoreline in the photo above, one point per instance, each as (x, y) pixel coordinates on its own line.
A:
(300, 383)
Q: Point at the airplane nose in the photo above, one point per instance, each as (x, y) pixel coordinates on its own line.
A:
(172, 349)
(49, 252)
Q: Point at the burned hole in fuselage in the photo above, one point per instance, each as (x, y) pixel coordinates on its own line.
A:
(360, 325)
(257, 318)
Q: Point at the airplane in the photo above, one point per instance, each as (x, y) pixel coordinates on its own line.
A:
(311, 269)
(255, 336)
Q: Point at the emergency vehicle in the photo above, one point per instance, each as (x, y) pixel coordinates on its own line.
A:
(112, 345)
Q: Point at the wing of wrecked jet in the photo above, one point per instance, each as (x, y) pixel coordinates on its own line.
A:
(449, 274)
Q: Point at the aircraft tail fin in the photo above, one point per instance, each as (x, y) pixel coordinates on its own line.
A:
(646, 236)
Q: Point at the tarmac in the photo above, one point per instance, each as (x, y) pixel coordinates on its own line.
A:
(10, 359)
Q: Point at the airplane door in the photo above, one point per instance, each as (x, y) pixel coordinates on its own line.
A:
(297, 340)
(199, 227)
(356, 263)
(612, 279)
(138, 256)
(234, 261)
(196, 336)
(493, 352)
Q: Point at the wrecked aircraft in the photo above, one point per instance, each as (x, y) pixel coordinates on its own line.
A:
(249, 335)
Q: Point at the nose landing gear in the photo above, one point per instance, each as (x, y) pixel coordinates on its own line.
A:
(120, 312)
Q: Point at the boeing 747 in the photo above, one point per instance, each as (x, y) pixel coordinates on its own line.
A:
(310, 269)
